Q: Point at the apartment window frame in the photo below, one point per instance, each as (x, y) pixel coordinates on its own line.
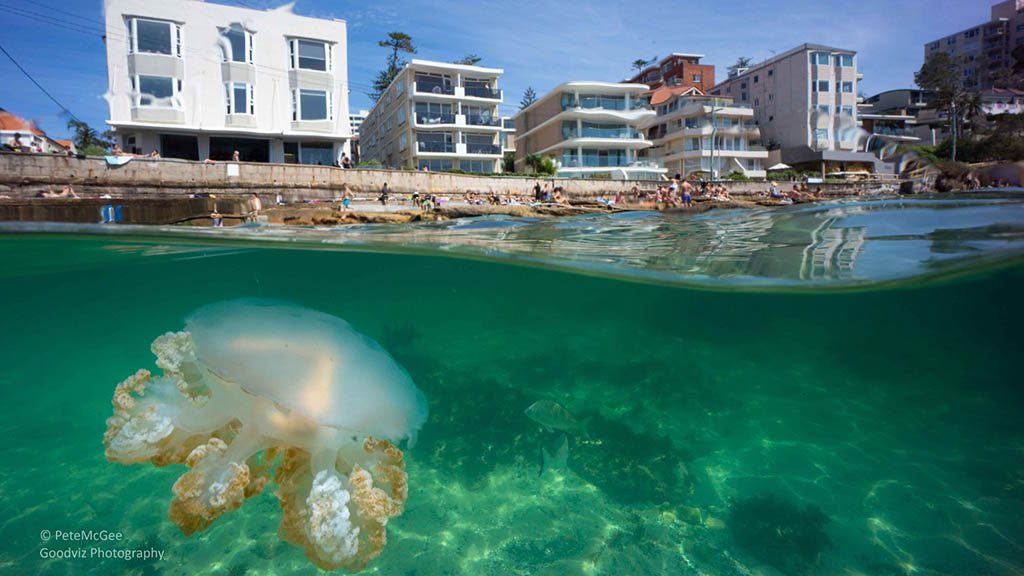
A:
(844, 60)
(139, 96)
(248, 98)
(247, 44)
(818, 84)
(297, 112)
(295, 57)
(173, 36)
(846, 87)
(821, 58)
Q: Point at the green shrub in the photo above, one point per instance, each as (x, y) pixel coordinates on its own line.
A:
(738, 176)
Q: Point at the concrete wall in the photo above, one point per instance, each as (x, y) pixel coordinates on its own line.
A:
(23, 175)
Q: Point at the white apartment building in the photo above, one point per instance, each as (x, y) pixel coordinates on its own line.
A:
(805, 104)
(437, 116)
(712, 135)
(590, 129)
(355, 120)
(198, 80)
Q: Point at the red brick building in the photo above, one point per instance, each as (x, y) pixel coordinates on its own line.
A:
(678, 69)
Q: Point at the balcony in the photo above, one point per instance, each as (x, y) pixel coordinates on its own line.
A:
(438, 147)
(482, 92)
(888, 131)
(493, 149)
(482, 120)
(433, 88)
(432, 119)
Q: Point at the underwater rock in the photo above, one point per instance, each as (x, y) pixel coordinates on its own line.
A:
(780, 533)
(250, 381)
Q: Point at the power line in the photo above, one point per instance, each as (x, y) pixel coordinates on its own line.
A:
(38, 85)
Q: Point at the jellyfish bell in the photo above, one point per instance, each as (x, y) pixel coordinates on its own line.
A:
(250, 380)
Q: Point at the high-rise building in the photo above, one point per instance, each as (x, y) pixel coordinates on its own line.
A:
(805, 104)
(438, 116)
(986, 49)
(355, 120)
(590, 129)
(200, 80)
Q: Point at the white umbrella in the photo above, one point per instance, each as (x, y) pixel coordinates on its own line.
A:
(780, 166)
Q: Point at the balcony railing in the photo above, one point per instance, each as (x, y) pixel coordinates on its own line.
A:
(435, 146)
(433, 88)
(886, 131)
(482, 120)
(435, 119)
(483, 148)
(483, 92)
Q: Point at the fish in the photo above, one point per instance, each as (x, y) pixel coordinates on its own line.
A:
(552, 416)
(558, 458)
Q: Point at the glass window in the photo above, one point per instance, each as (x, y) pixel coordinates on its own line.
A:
(156, 91)
(824, 109)
(696, 77)
(234, 37)
(240, 94)
(757, 78)
(848, 87)
(435, 165)
(318, 153)
(821, 86)
(312, 105)
(153, 37)
(821, 58)
(821, 134)
(844, 60)
(311, 55)
(403, 141)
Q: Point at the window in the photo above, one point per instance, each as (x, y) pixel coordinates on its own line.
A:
(820, 58)
(239, 98)
(771, 73)
(824, 109)
(757, 78)
(743, 85)
(934, 46)
(400, 86)
(310, 55)
(821, 86)
(743, 96)
(478, 166)
(403, 141)
(696, 77)
(154, 37)
(401, 115)
(156, 91)
(821, 134)
(757, 101)
(847, 87)
(435, 165)
(846, 110)
(844, 60)
(317, 153)
(311, 105)
(237, 45)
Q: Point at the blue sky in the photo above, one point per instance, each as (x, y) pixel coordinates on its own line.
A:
(538, 43)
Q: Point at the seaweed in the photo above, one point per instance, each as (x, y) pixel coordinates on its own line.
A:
(780, 533)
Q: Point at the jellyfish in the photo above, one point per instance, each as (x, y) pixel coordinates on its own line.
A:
(255, 391)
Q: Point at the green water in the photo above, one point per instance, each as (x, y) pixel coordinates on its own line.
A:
(873, 432)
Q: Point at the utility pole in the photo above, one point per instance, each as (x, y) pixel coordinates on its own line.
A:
(953, 125)
(714, 133)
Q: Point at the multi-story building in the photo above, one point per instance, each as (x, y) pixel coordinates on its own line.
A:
(678, 69)
(355, 120)
(198, 80)
(693, 133)
(508, 135)
(903, 113)
(985, 49)
(590, 129)
(805, 104)
(437, 116)
(31, 137)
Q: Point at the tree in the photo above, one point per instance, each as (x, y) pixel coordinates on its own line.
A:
(639, 64)
(398, 42)
(941, 74)
(741, 62)
(533, 161)
(508, 162)
(468, 60)
(87, 140)
(529, 97)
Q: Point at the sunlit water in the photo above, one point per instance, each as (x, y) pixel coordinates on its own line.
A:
(861, 359)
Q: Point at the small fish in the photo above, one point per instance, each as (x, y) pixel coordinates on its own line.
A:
(552, 416)
(558, 458)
